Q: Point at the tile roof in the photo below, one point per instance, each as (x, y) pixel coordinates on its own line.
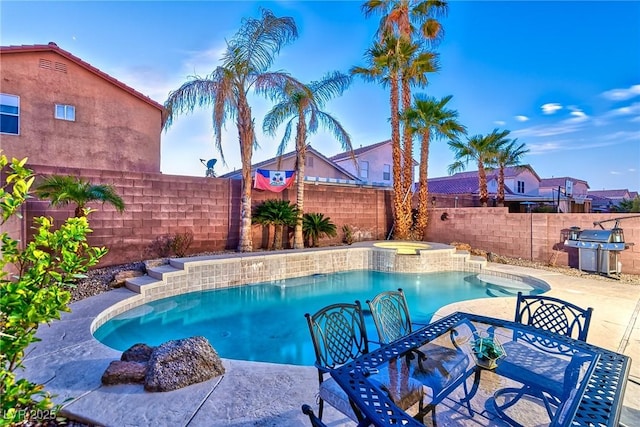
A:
(52, 47)
(560, 181)
(237, 173)
(459, 185)
(609, 193)
(358, 151)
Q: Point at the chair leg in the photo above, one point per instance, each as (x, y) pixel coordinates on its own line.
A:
(320, 407)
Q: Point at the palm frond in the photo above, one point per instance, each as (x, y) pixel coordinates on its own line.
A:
(259, 40)
(331, 85)
(339, 133)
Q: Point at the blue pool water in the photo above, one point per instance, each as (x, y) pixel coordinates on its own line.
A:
(265, 322)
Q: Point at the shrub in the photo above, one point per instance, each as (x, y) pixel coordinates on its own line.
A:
(316, 226)
(348, 234)
(166, 245)
(160, 247)
(181, 242)
(36, 293)
(279, 213)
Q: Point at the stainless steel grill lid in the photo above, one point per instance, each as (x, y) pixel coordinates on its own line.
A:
(600, 236)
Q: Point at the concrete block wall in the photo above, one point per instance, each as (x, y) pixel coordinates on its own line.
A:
(537, 236)
(158, 204)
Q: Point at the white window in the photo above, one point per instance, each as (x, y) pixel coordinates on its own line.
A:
(386, 173)
(66, 112)
(520, 188)
(9, 114)
(309, 161)
(364, 169)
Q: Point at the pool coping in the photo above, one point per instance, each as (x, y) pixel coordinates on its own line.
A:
(70, 362)
(185, 275)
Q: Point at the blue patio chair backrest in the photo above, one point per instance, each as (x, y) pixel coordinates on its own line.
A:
(554, 315)
(338, 333)
(390, 314)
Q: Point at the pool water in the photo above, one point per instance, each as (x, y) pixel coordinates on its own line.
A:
(265, 322)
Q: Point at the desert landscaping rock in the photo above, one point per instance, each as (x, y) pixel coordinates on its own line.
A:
(179, 363)
(120, 277)
(137, 353)
(120, 372)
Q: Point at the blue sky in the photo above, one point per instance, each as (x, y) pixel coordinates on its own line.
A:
(562, 76)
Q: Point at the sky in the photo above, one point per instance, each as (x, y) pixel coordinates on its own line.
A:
(562, 76)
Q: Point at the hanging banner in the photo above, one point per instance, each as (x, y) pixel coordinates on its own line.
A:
(275, 181)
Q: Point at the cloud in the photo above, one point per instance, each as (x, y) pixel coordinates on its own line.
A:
(622, 94)
(156, 84)
(577, 115)
(550, 108)
(626, 111)
(521, 118)
(500, 123)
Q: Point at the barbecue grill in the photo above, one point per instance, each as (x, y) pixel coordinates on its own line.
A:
(598, 250)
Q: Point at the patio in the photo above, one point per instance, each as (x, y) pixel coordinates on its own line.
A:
(70, 361)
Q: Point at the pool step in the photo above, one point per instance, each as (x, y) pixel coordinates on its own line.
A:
(154, 276)
(137, 283)
(160, 271)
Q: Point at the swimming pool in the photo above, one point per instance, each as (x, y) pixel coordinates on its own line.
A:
(265, 322)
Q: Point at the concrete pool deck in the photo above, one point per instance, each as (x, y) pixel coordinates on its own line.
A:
(70, 362)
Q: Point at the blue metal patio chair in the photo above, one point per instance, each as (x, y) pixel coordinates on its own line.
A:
(339, 335)
(549, 379)
(442, 369)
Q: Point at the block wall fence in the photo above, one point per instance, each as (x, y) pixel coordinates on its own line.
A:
(158, 204)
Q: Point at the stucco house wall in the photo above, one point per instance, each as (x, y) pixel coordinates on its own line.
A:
(377, 156)
(316, 165)
(115, 127)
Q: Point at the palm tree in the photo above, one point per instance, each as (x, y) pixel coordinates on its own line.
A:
(245, 65)
(429, 118)
(62, 190)
(277, 213)
(303, 106)
(315, 226)
(509, 154)
(482, 150)
(385, 59)
(414, 73)
(402, 19)
(409, 17)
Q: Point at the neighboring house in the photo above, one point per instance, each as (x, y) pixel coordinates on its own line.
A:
(372, 165)
(521, 185)
(58, 110)
(317, 167)
(607, 200)
(571, 193)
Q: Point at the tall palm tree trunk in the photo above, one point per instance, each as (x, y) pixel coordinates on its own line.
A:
(423, 191)
(246, 137)
(407, 169)
(298, 238)
(482, 180)
(401, 229)
(501, 187)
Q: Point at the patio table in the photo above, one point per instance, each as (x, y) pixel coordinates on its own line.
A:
(537, 359)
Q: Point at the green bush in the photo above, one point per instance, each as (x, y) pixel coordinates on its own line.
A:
(276, 212)
(35, 293)
(316, 226)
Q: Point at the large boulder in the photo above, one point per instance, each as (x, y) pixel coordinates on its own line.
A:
(179, 363)
(137, 353)
(119, 372)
